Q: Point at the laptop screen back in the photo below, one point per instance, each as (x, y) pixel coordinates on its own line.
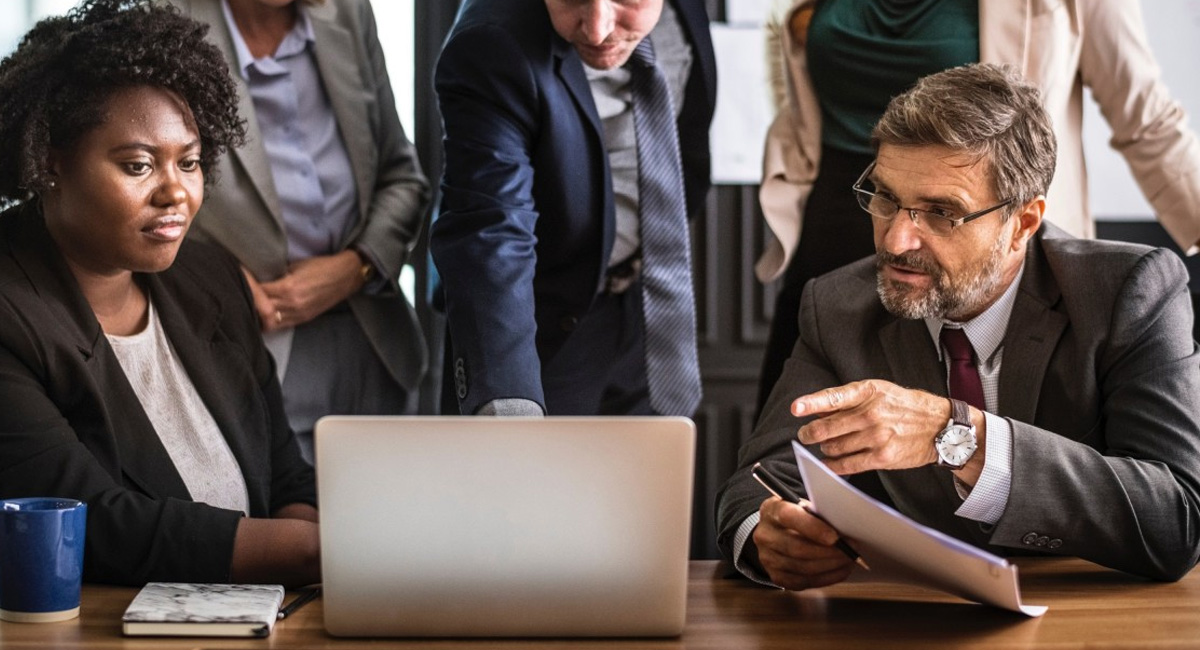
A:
(475, 526)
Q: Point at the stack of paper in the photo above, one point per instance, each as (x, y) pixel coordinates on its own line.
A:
(899, 549)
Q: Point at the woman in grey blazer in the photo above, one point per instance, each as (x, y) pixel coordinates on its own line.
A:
(321, 205)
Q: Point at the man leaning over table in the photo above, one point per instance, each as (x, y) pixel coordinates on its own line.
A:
(1070, 363)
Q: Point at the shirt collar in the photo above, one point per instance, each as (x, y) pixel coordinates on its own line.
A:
(985, 331)
(294, 42)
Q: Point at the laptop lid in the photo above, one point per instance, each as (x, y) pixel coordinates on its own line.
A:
(480, 526)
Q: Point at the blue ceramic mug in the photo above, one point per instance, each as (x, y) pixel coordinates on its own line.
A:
(41, 558)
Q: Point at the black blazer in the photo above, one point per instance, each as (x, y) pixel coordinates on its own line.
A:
(71, 425)
(527, 217)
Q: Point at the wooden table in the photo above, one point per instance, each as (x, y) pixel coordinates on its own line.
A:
(1089, 606)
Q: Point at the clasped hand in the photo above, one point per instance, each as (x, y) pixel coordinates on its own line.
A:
(308, 290)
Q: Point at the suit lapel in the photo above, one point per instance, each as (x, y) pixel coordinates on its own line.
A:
(569, 69)
(694, 18)
(337, 58)
(252, 156)
(927, 493)
(191, 325)
(39, 258)
(911, 357)
(1029, 347)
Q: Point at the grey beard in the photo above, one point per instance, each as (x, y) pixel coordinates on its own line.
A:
(944, 300)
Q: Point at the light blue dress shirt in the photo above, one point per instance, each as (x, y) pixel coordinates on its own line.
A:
(309, 162)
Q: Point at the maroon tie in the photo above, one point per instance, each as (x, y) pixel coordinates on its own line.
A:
(964, 376)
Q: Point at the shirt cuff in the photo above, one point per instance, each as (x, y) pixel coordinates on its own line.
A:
(512, 407)
(989, 497)
(739, 543)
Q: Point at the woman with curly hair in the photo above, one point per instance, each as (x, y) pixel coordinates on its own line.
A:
(132, 372)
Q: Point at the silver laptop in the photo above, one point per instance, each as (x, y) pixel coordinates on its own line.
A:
(478, 526)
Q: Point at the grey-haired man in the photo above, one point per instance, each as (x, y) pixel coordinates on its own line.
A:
(984, 373)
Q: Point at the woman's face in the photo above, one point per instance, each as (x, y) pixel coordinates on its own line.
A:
(125, 194)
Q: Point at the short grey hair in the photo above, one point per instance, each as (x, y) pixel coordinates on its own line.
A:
(985, 110)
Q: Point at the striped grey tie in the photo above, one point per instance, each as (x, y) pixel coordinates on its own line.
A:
(672, 368)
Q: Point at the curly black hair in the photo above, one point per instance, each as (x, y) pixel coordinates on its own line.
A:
(54, 87)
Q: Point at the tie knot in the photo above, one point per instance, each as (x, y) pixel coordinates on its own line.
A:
(956, 343)
(643, 54)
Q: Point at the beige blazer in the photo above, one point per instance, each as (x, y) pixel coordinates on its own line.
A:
(242, 211)
(1062, 46)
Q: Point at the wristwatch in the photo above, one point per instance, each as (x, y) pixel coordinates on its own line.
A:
(956, 443)
(367, 272)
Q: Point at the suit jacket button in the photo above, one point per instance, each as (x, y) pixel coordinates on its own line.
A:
(1043, 540)
(460, 378)
(1029, 539)
(568, 323)
(1054, 543)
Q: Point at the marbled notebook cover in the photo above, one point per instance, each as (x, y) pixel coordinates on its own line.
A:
(198, 603)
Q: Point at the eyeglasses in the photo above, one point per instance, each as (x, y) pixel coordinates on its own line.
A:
(937, 222)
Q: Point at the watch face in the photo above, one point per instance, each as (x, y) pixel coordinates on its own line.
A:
(956, 445)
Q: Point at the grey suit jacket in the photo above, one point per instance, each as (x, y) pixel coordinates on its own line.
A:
(242, 211)
(1100, 380)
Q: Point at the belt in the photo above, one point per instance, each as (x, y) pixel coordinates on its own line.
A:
(623, 275)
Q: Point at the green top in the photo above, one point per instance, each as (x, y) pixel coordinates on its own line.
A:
(861, 53)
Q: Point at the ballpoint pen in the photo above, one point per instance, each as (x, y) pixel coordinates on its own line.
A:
(299, 601)
(777, 487)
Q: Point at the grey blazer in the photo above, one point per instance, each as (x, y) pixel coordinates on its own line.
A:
(1100, 380)
(241, 212)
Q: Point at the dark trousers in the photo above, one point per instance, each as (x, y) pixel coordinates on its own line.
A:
(836, 232)
(334, 370)
(601, 370)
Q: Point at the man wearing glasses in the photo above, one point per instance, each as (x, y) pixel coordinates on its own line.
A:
(985, 374)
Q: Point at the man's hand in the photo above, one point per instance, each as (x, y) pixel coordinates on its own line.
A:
(872, 424)
(311, 287)
(797, 549)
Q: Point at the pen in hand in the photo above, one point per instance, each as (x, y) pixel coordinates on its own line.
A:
(777, 487)
(303, 598)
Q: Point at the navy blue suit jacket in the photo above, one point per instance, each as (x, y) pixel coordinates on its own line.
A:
(527, 218)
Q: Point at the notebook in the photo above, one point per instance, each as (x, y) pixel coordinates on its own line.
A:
(480, 526)
(201, 609)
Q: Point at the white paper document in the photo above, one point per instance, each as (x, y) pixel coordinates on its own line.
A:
(901, 550)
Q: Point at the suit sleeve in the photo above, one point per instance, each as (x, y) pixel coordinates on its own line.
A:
(771, 444)
(1149, 128)
(292, 478)
(483, 240)
(400, 189)
(1127, 495)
